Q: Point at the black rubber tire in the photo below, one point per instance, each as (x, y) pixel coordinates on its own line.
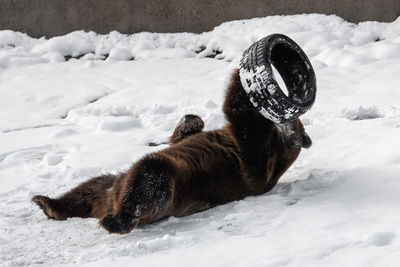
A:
(259, 82)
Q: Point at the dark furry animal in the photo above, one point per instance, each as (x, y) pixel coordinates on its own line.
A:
(200, 170)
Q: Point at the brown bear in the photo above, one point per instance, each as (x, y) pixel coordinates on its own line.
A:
(198, 171)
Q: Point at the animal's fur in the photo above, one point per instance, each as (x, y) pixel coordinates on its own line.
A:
(199, 170)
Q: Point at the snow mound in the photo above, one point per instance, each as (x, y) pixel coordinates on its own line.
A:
(329, 39)
(362, 113)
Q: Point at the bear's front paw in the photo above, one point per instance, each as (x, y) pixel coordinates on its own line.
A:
(116, 224)
(191, 124)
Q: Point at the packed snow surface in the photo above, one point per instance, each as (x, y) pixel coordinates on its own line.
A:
(82, 104)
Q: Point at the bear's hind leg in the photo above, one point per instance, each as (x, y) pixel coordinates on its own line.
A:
(89, 199)
(142, 196)
(46, 204)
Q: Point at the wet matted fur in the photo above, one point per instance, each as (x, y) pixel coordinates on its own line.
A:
(198, 171)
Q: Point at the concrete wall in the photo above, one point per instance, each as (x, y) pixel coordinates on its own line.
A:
(57, 17)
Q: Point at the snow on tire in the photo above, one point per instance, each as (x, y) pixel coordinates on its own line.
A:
(260, 84)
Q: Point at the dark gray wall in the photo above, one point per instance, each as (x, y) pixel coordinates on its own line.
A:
(57, 17)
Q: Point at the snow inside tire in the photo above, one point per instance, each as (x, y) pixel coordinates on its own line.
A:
(260, 84)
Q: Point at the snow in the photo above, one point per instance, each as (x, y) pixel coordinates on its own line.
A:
(78, 105)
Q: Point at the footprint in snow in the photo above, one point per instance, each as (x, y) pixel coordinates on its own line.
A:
(381, 239)
(160, 109)
(64, 133)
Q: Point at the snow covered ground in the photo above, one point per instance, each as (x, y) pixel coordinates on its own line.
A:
(65, 121)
